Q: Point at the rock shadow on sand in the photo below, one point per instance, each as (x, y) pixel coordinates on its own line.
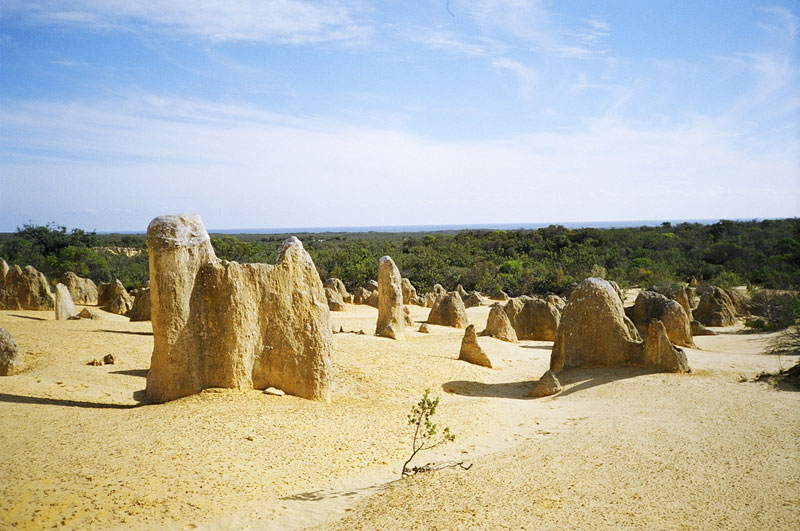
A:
(22, 399)
(129, 332)
(498, 390)
(132, 372)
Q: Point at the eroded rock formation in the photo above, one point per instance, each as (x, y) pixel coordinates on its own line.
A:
(498, 325)
(26, 289)
(140, 311)
(651, 305)
(391, 318)
(65, 308)
(533, 318)
(448, 310)
(471, 351)
(715, 308)
(409, 292)
(82, 290)
(595, 331)
(223, 324)
(10, 354)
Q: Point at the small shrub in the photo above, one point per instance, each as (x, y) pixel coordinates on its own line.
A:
(424, 431)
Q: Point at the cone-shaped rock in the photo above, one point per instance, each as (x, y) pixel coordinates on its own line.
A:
(471, 351)
(547, 385)
(715, 308)
(391, 318)
(498, 325)
(448, 310)
(224, 324)
(141, 306)
(26, 289)
(82, 290)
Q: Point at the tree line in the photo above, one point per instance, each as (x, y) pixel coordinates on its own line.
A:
(764, 253)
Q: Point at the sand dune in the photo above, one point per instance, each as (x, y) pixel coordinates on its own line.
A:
(616, 448)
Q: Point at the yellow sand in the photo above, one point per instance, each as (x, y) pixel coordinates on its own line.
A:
(617, 448)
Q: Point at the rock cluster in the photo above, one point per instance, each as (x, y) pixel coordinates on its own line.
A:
(114, 297)
(651, 305)
(223, 324)
(595, 331)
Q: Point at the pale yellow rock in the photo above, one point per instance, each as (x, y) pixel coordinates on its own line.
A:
(82, 290)
(391, 318)
(498, 325)
(651, 305)
(448, 310)
(140, 311)
(547, 385)
(224, 324)
(471, 351)
(26, 289)
(715, 308)
(409, 292)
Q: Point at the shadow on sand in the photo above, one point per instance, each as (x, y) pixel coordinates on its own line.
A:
(129, 332)
(574, 380)
(20, 399)
(28, 317)
(132, 372)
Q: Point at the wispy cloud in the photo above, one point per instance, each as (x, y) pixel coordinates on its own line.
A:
(242, 166)
(279, 21)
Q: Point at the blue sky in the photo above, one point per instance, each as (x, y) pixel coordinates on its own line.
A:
(356, 113)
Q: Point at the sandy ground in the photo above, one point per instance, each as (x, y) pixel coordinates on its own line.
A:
(617, 448)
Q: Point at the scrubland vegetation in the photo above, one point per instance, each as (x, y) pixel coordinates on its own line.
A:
(764, 253)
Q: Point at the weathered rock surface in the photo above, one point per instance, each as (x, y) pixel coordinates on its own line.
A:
(336, 285)
(618, 291)
(595, 331)
(409, 292)
(140, 311)
(461, 291)
(498, 324)
(335, 300)
(224, 324)
(26, 289)
(651, 305)
(65, 308)
(471, 351)
(86, 313)
(3, 272)
(407, 316)
(391, 318)
(114, 298)
(684, 298)
(82, 290)
(499, 295)
(556, 301)
(699, 330)
(533, 318)
(475, 299)
(715, 308)
(373, 299)
(424, 328)
(371, 285)
(547, 385)
(360, 295)
(10, 354)
(448, 310)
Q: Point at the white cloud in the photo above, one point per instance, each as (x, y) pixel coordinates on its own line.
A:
(243, 167)
(281, 21)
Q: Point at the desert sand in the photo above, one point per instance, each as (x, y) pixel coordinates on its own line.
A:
(616, 448)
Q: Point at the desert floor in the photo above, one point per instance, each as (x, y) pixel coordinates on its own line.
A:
(616, 448)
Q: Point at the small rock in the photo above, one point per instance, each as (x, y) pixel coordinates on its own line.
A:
(95, 363)
(108, 359)
(424, 328)
(249, 438)
(547, 385)
(273, 391)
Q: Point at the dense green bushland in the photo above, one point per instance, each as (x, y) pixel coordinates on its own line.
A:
(764, 253)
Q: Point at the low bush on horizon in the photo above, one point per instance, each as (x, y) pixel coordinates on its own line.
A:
(551, 259)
